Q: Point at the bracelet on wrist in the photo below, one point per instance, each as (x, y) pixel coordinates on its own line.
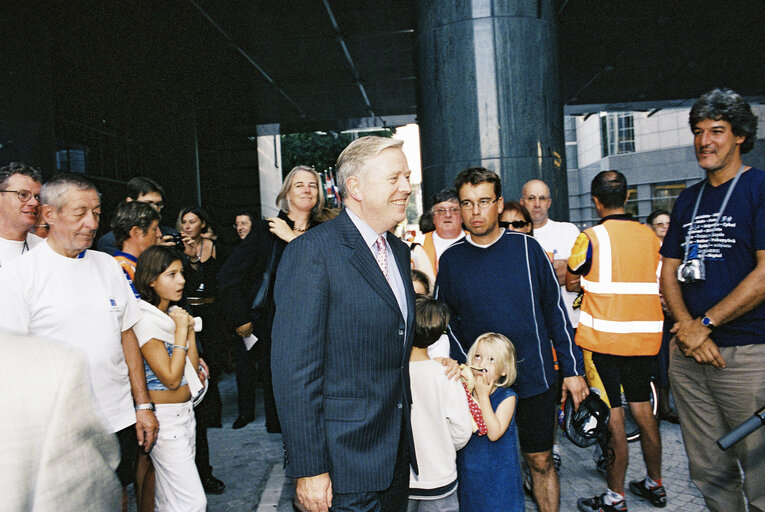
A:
(181, 347)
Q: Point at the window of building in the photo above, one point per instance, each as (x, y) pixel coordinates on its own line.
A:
(663, 195)
(632, 202)
(617, 133)
(71, 160)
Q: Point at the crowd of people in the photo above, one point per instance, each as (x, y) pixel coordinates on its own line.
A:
(415, 375)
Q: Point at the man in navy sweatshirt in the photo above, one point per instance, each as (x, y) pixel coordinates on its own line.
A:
(496, 280)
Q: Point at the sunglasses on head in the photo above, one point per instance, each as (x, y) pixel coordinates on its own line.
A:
(518, 224)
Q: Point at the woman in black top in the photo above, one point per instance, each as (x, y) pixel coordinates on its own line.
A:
(200, 292)
(301, 202)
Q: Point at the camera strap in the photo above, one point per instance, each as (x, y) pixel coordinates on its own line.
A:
(719, 213)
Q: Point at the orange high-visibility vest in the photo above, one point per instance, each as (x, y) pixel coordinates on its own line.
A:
(430, 250)
(621, 311)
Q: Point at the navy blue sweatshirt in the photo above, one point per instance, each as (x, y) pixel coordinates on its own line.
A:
(509, 287)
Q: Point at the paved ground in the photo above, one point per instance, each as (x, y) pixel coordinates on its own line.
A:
(249, 461)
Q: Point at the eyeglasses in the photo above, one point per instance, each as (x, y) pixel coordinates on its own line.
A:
(518, 224)
(483, 204)
(442, 211)
(531, 199)
(24, 195)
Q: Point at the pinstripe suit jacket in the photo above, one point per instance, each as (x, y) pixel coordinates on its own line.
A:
(340, 358)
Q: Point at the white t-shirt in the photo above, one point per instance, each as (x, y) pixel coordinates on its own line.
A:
(441, 424)
(441, 244)
(12, 249)
(557, 239)
(85, 302)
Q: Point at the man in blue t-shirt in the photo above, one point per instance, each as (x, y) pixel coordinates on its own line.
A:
(713, 279)
(495, 280)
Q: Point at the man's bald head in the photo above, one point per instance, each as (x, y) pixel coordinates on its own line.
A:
(535, 196)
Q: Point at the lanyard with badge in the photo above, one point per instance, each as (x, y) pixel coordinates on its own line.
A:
(692, 268)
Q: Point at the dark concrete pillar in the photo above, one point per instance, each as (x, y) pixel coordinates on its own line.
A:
(489, 94)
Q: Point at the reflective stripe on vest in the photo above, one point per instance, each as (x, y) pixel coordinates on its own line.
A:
(621, 312)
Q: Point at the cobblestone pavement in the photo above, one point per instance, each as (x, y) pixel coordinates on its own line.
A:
(249, 461)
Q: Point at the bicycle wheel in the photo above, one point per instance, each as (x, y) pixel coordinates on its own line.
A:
(630, 427)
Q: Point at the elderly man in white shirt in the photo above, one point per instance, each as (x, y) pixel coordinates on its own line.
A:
(64, 292)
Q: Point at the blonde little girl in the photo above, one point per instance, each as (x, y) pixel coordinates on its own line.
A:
(488, 467)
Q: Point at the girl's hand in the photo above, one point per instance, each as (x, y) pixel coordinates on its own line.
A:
(281, 229)
(181, 317)
(483, 386)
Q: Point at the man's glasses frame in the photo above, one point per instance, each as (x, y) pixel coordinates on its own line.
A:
(531, 199)
(24, 195)
(442, 211)
(483, 204)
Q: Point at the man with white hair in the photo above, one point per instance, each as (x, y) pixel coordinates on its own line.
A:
(341, 341)
(19, 205)
(64, 292)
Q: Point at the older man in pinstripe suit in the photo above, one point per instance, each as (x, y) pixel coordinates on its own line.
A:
(341, 342)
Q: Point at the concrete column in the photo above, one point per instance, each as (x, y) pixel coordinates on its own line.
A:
(270, 170)
(489, 94)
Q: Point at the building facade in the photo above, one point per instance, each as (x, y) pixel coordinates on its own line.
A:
(653, 149)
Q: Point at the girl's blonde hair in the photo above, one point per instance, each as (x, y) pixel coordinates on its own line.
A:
(504, 356)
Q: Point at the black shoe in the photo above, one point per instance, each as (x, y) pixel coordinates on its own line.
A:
(657, 496)
(241, 421)
(212, 485)
(597, 504)
(273, 429)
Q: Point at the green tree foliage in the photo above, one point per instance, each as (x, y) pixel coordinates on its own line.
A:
(316, 149)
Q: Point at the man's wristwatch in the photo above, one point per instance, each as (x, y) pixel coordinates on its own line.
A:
(149, 406)
(706, 322)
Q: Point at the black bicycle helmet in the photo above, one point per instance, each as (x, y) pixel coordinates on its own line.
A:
(587, 425)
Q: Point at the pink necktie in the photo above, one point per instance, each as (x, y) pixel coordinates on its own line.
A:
(382, 255)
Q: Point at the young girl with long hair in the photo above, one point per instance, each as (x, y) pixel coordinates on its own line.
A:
(166, 336)
(488, 467)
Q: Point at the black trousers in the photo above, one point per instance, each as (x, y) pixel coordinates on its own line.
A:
(246, 378)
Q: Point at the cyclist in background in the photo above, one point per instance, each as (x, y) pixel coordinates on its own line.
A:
(621, 324)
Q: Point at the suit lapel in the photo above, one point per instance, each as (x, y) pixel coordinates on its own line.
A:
(361, 258)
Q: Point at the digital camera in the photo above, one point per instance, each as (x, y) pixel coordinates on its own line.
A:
(691, 271)
(177, 239)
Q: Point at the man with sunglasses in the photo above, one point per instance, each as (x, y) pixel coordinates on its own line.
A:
(497, 280)
(19, 205)
(556, 238)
